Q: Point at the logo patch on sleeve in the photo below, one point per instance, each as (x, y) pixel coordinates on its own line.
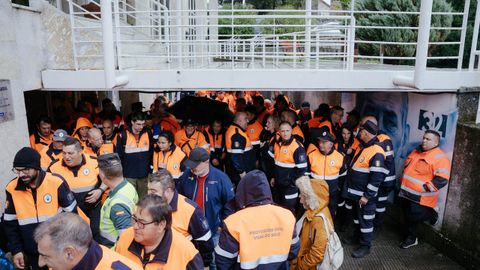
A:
(377, 163)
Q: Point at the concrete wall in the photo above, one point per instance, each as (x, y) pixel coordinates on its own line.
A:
(21, 60)
(462, 215)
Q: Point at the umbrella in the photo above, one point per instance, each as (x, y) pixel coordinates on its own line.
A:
(201, 110)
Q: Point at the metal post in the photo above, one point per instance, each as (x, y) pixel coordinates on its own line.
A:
(351, 37)
(118, 35)
(72, 24)
(422, 43)
(463, 34)
(473, 50)
(59, 5)
(107, 38)
(294, 50)
(308, 33)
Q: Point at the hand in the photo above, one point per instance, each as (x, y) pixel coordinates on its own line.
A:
(93, 196)
(349, 151)
(363, 201)
(206, 268)
(242, 174)
(18, 260)
(272, 182)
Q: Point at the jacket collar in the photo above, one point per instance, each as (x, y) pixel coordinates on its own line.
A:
(238, 127)
(174, 202)
(117, 188)
(160, 254)
(91, 259)
(283, 143)
(38, 181)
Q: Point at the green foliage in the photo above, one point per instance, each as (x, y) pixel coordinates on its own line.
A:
(283, 25)
(403, 20)
(243, 32)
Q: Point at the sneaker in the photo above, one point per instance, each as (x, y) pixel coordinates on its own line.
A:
(361, 252)
(409, 242)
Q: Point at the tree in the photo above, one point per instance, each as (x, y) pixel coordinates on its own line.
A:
(241, 29)
(283, 25)
(397, 35)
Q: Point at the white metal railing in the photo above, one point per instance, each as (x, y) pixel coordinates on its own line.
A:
(151, 36)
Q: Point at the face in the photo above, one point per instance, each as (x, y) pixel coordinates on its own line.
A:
(83, 131)
(71, 156)
(305, 110)
(96, 140)
(270, 125)
(44, 128)
(26, 175)
(50, 257)
(346, 134)
(242, 121)
(57, 145)
(285, 132)
(250, 116)
(137, 126)
(337, 116)
(107, 128)
(156, 188)
(146, 231)
(202, 169)
(189, 129)
(429, 141)
(163, 143)
(325, 146)
(217, 127)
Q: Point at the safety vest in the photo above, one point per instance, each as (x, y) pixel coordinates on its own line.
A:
(253, 132)
(173, 158)
(105, 148)
(298, 132)
(85, 179)
(127, 196)
(267, 240)
(47, 156)
(314, 122)
(359, 178)
(175, 251)
(112, 140)
(30, 210)
(387, 145)
(182, 219)
(38, 142)
(325, 167)
(231, 147)
(420, 169)
(187, 144)
(216, 141)
(104, 258)
(132, 146)
(290, 161)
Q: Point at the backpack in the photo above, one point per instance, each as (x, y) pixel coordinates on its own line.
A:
(333, 258)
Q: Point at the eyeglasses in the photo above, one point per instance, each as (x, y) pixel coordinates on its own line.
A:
(18, 171)
(141, 224)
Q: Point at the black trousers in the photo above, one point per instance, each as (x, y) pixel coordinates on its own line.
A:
(415, 214)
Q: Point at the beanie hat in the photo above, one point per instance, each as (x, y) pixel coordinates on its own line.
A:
(370, 127)
(28, 158)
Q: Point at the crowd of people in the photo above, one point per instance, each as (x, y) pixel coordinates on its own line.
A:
(151, 191)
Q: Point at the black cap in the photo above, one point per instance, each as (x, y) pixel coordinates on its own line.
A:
(370, 127)
(27, 158)
(322, 133)
(305, 104)
(188, 121)
(108, 160)
(197, 156)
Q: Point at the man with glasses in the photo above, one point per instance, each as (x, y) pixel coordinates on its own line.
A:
(151, 242)
(116, 213)
(33, 197)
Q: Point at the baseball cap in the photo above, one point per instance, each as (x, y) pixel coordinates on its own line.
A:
(197, 156)
(370, 127)
(108, 160)
(60, 135)
(305, 104)
(322, 133)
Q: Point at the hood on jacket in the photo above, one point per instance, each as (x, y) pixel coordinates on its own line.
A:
(82, 122)
(315, 192)
(253, 190)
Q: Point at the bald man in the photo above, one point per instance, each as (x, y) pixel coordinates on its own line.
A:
(96, 145)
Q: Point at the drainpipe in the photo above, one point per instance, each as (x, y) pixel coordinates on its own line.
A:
(422, 49)
(111, 80)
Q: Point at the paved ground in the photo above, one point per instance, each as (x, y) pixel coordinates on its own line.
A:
(386, 254)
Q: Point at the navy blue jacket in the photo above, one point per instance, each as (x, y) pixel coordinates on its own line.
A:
(218, 191)
(135, 165)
